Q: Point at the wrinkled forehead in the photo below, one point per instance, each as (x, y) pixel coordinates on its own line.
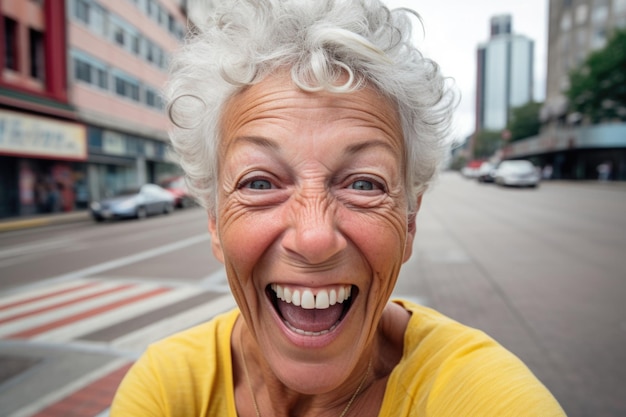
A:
(277, 94)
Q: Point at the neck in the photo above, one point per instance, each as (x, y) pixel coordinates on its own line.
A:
(260, 393)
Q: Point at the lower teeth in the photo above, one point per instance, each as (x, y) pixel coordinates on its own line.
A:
(307, 333)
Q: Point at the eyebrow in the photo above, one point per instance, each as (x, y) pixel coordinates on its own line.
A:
(372, 143)
(259, 141)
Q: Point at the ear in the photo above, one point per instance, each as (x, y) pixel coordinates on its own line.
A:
(216, 245)
(411, 228)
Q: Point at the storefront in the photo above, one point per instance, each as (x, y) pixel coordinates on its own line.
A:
(42, 165)
(576, 153)
(118, 160)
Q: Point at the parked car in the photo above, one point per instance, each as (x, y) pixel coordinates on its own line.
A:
(147, 200)
(177, 187)
(518, 173)
(471, 169)
(486, 172)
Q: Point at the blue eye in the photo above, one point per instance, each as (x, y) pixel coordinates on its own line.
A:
(362, 185)
(260, 185)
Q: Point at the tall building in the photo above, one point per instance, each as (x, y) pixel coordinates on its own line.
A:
(576, 28)
(571, 147)
(504, 74)
(80, 109)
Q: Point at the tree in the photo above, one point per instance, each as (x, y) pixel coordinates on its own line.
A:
(524, 121)
(598, 87)
(486, 143)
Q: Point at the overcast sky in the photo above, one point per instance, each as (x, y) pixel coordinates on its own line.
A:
(455, 28)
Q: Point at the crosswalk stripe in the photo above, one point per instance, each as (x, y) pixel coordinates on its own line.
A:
(118, 315)
(65, 303)
(71, 310)
(94, 311)
(14, 300)
(55, 297)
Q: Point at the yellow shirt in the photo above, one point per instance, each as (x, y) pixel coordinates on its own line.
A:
(447, 369)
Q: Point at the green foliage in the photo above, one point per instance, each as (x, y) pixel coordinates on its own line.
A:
(598, 88)
(486, 143)
(524, 121)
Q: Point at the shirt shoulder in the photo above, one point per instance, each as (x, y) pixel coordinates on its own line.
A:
(188, 373)
(449, 369)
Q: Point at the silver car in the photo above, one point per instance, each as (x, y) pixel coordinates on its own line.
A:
(518, 173)
(137, 203)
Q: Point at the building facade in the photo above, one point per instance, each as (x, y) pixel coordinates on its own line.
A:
(573, 149)
(504, 75)
(42, 144)
(80, 109)
(117, 60)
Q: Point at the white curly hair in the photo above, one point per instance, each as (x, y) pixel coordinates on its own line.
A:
(240, 42)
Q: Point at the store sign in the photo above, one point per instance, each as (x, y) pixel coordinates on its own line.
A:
(25, 135)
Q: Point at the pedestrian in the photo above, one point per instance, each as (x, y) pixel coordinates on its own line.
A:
(604, 171)
(546, 173)
(309, 130)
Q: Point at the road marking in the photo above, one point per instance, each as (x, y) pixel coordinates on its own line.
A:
(81, 298)
(56, 396)
(34, 331)
(118, 315)
(140, 339)
(72, 310)
(33, 248)
(117, 263)
(27, 302)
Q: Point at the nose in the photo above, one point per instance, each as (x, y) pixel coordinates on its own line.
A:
(313, 234)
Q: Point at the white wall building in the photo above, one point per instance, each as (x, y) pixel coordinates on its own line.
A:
(504, 75)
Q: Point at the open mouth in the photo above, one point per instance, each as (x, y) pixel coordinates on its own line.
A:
(312, 312)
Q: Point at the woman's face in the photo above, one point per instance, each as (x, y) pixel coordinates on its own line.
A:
(312, 223)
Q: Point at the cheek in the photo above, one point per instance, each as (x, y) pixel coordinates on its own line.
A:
(245, 236)
(380, 238)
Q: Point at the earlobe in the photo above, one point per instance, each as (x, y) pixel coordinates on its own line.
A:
(216, 245)
(411, 230)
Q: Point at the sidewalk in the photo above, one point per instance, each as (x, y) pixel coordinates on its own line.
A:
(26, 222)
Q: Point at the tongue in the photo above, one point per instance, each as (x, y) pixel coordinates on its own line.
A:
(310, 320)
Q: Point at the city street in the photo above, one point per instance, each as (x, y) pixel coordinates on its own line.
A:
(541, 270)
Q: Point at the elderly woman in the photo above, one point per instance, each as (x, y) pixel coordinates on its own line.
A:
(309, 131)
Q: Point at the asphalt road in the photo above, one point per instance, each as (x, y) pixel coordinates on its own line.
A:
(543, 271)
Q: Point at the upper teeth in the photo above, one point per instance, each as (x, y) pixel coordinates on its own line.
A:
(305, 298)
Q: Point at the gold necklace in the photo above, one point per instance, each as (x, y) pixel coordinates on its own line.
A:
(256, 406)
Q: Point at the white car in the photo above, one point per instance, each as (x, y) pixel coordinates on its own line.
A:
(518, 173)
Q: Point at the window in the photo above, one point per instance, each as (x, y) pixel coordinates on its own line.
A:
(82, 71)
(10, 44)
(102, 78)
(600, 12)
(598, 41)
(81, 10)
(90, 70)
(153, 99)
(566, 22)
(36, 54)
(135, 44)
(126, 87)
(98, 18)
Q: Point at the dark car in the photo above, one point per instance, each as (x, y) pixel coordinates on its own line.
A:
(177, 187)
(147, 200)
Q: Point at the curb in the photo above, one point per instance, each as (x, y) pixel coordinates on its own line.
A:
(40, 221)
